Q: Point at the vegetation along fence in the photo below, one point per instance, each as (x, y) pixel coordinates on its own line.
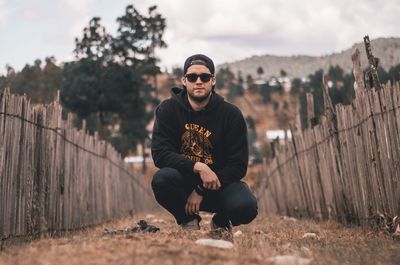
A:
(54, 177)
(347, 167)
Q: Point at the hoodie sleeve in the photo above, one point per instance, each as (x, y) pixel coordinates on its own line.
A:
(237, 151)
(164, 145)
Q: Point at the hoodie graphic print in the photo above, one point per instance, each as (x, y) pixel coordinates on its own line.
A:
(195, 144)
(216, 136)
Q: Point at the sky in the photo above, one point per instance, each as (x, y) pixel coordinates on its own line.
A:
(226, 30)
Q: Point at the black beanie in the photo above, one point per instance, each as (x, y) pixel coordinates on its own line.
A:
(199, 59)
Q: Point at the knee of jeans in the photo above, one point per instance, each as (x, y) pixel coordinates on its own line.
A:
(164, 177)
(246, 211)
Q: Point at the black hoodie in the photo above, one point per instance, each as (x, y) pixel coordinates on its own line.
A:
(216, 136)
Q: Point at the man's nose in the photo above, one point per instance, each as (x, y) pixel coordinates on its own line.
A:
(198, 80)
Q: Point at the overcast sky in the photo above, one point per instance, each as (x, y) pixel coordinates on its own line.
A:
(226, 30)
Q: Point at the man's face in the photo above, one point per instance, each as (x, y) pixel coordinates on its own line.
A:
(198, 90)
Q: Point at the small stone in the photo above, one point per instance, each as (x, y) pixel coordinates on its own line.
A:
(259, 232)
(161, 221)
(214, 243)
(238, 233)
(310, 236)
(289, 260)
(150, 216)
(396, 233)
(292, 219)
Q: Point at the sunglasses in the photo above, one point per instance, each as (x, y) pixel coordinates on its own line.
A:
(204, 77)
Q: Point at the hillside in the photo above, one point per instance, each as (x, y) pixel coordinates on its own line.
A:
(387, 49)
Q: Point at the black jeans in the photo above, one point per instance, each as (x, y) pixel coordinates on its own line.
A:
(234, 203)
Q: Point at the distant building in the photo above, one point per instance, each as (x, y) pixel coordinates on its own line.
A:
(274, 134)
(260, 82)
(137, 159)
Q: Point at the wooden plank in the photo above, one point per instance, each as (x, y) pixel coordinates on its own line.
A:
(324, 169)
(357, 73)
(391, 138)
(361, 159)
(395, 95)
(2, 164)
(375, 138)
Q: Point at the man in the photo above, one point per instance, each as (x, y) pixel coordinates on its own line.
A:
(199, 142)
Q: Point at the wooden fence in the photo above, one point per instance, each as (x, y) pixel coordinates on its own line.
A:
(347, 167)
(54, 177)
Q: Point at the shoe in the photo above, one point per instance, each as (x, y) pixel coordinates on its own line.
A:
(191, 225)
(224, 233)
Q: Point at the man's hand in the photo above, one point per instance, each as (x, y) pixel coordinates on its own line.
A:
(193, 203)
(208, 177)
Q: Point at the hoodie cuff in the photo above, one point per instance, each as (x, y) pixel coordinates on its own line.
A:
(188, 166)
(200, 190)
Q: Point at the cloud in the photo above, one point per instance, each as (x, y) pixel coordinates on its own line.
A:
(76, 29)
(226, 30)
(79, 6)
(230, 31)
(4, 13)
(30, 14)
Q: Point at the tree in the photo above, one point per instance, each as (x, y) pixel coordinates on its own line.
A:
(394, 72)
(26, 82)
(9, 78)
(240, 82)
(254, 154)
(50, 80)
(296, 86)
(265, 91)
(220, 78)
(39, 83)
(81, 88)
(335, 73)
(234, 88)
(240, 78)
(95, 43)
(260, 72)
(250, 83)
(137, 37)
(316, 88)
(177, 72)
(3, 82)
(341, 90)
(109, 82)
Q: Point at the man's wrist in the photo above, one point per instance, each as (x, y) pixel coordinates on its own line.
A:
(197, 167)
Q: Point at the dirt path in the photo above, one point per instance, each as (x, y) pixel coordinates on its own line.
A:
(266, 237)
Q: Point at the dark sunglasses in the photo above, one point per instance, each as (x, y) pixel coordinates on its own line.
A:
(204, 77)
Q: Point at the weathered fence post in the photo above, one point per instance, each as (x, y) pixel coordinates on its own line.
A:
(372, 78)
(357, 72)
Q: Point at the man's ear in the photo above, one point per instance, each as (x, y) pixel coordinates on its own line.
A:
(183, 80)
(213, 81)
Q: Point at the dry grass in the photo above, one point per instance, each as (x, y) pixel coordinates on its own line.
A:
(266, 237)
